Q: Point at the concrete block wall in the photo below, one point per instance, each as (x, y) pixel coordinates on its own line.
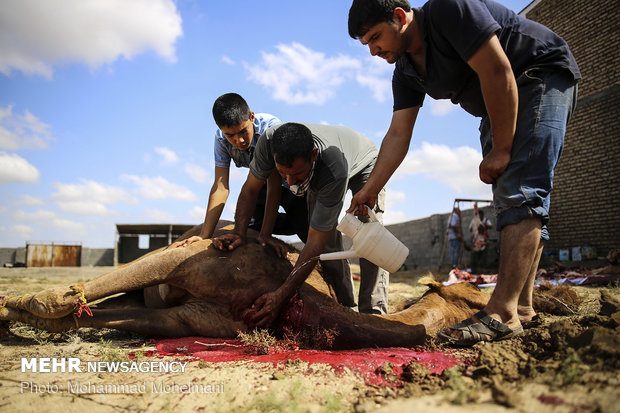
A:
(97, 257)
(12, 256)
(585, 202)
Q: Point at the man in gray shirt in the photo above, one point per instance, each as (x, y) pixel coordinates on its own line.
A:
(321, 161)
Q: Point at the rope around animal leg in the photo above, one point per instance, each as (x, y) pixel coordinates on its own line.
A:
(5, 299)
(81, 301)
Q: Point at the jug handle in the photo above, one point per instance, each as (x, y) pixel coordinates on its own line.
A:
(371, 214)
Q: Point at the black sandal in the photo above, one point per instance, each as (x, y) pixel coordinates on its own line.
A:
(485, 329)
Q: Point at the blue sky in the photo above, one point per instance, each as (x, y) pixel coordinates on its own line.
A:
(105, 109)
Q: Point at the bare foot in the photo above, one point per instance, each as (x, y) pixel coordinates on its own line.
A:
(526, 313)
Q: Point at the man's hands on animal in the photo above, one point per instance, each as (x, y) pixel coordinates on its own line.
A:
(185, 242)
(267, 308)
(228, 242)
(276, 244)
(493, 165)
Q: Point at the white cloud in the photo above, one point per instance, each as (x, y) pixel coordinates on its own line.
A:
(21, 231)
(24, 131)
(169, 157)
(454, 167)
(160, 188)
(197, 213)
(238, 174)
(14, 168)
(376, 75)
(296, 74)
(36, 34)
(380, 134)
(197, 173)
(28, 200)
(154, 215)
(393, 197)
(441, 107)
(228, 60)
(391, 216)
(50, 219)
(89, 197)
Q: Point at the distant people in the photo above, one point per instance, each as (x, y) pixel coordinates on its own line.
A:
(237, 136)
(479, 229)
(455, 237)
(324, 162)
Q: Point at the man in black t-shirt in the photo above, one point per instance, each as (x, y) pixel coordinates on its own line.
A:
(521, 79)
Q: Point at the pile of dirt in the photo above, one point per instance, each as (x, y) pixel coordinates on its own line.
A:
(567, 361)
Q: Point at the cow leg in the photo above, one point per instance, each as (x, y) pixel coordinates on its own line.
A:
(150, 270)
(193, 318)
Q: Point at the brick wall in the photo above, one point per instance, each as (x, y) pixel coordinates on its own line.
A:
(585, 202)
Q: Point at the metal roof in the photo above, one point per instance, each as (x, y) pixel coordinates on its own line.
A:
(149, 229)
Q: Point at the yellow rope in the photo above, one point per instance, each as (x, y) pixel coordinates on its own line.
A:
(6, 300)
(80, 289)
(21, 299)
(81, 304)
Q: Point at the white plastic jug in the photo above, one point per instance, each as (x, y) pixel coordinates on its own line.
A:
(372, 241)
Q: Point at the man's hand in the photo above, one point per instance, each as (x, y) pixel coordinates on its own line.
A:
(276, 244)
(267, 307)
(228, 242)
(185, 242)
(493, 165)
(363, 197)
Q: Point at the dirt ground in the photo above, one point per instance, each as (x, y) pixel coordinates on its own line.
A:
(567, 363)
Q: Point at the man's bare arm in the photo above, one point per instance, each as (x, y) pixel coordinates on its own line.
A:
(499, 89)
(268, 305)
(394, 147)
(217, 201)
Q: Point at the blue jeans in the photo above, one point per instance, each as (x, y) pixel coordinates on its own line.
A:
(546, 101)
(455, 251)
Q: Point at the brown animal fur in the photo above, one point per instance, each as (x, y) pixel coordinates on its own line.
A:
(199, 290)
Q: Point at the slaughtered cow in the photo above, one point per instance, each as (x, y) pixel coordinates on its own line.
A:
(199, 290)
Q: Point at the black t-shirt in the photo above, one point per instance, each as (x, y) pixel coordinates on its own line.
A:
(453, 30)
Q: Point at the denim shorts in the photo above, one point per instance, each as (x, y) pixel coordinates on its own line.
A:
(546, 101)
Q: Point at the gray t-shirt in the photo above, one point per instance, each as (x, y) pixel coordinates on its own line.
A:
(343, 153)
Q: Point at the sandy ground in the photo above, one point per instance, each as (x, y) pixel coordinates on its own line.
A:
(566, 364)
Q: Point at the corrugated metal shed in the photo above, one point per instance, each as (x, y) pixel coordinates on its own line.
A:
(53, 254)
(135, 240)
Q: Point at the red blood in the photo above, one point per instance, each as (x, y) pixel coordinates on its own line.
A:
(549, 399)
(364, 361)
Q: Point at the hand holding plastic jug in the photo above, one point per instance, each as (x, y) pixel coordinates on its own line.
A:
(371, 241)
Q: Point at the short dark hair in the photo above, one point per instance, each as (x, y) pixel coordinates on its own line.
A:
(364, 14)
(292, 141)
(230, 109)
